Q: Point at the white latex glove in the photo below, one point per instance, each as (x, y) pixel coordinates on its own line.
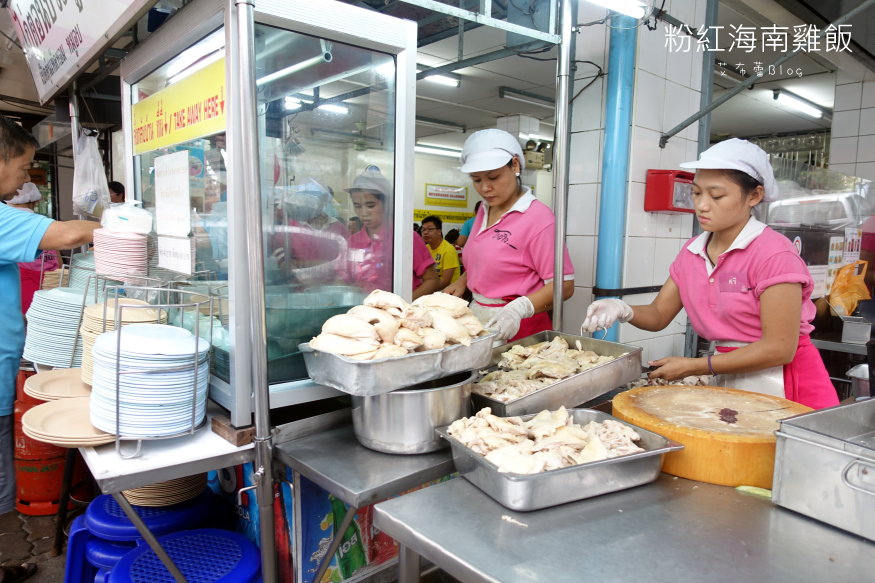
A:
(604, 313)
(506, 322)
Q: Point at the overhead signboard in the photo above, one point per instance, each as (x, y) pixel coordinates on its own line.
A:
(62, 37)
(191, 108)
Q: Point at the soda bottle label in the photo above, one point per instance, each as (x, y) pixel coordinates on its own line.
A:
(351, 552)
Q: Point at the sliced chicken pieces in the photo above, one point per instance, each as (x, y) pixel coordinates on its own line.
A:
(416, 317)
(388, 351)
(471, 323)
(385, 324)
(350, 327)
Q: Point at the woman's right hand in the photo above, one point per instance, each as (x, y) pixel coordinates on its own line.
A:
(604, 313)
(457, 288)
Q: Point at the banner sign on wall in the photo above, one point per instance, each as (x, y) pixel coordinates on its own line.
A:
(445, 216)
(191, 108)
(62, 37)
(443, 195)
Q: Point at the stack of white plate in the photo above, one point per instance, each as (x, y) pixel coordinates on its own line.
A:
(59, 383)
(53, 326)
(93, 324)
(63, 422)
(120, 255)
(167, 493)
(159, 374)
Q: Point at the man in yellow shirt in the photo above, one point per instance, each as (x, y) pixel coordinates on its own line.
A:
(445, 257)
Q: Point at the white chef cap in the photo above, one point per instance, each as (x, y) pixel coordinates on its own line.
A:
(735, 154)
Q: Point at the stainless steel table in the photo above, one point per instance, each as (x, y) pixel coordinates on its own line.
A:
(161, 460)
(668, 531)
(338, 463)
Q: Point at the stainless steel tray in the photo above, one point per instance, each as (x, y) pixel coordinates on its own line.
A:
(554, 487)
(825, 466)
(576, 389)
(367, 378)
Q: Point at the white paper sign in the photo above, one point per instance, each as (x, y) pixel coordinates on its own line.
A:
(61, 37)
(175, 254)
(172, 201)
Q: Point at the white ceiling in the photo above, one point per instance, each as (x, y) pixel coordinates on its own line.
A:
(476, 103)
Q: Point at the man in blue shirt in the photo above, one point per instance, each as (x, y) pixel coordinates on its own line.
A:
(22, 237)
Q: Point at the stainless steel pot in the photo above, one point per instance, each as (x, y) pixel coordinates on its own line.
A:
(404, 421)
(859, 376)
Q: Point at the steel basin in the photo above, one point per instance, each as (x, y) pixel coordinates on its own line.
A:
(404, 421)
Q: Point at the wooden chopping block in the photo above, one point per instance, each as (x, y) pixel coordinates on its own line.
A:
(728, 435)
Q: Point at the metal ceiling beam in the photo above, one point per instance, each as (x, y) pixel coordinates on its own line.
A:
(485, 17)
(484, 58)
(664, 138)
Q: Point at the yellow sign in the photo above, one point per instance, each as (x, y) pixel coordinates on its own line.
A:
(444, 195)
(445, 216)
(192, 108)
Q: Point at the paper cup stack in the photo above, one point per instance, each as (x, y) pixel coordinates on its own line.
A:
(94, 324)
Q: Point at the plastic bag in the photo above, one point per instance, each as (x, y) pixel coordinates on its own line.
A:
(90, 190)
(127, 217)
(848, 288)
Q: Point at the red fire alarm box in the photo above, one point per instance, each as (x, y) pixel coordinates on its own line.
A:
(669, 191)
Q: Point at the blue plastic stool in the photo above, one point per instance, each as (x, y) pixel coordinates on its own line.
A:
(204, 556)
(104, 554)
(105, 518)
(77, 569)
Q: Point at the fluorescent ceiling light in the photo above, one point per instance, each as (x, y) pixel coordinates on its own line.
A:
(633, 8)
(440, 124)
(526, 97)
(796, 103)
(437, 151)
(290, 70)
(197, 66)
(443, 80)
(334, 108)
(193, 54)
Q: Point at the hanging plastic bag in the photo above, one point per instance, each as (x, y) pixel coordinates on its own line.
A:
(848, 288)
(127, 217)
(90, 190)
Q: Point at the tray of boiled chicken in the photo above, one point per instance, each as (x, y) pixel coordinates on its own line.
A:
(550, 369)
(387, 344)
(535, 461)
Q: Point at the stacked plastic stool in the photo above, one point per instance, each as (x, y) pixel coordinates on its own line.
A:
(104, 534)
(203, 556)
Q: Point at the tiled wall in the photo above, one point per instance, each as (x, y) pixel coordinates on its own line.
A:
(666, 92)
(852, 144)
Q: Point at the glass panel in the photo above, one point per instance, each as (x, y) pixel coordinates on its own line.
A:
(207, 196)
(326, 129)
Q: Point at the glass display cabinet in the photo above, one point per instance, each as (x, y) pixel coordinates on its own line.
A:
(335, 107)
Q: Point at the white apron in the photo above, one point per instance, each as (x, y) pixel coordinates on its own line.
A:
(769, 381)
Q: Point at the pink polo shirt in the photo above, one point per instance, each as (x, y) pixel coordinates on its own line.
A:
(371, 259)
(513, 257)
(723, 301)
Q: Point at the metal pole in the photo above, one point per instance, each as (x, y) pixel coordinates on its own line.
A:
(663, 140)
(247, 131)
(561, 145)
(149, 537)
(615, 161)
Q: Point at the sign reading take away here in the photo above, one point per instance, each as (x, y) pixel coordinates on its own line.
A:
(61, 37)
(191, 108)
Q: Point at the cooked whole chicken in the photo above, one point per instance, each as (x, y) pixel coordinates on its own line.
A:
(550, 440)
(386, 326)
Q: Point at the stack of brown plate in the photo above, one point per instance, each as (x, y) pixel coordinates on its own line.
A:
(94, 324)
(51, 279)
(65, 423)
(55, 384)
(167, 493)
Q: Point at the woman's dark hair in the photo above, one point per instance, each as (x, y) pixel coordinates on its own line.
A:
(451, 236)
(477, 206)
(116, 187)
(745, 181)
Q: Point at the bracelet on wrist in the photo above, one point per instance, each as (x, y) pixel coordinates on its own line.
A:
(711, 366)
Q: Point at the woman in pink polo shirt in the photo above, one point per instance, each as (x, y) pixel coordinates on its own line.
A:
(370, 248)
(742, 284)
(509, 253)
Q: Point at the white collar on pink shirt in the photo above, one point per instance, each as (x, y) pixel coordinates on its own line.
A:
(521, 205)
(751, 231)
